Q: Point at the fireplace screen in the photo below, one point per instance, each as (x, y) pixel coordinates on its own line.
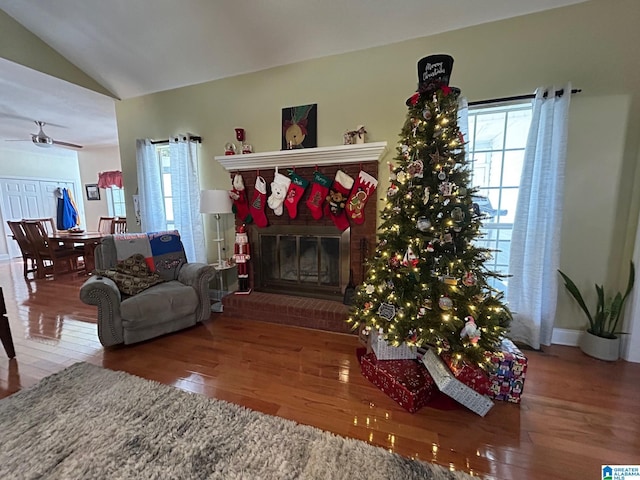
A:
(307, 263)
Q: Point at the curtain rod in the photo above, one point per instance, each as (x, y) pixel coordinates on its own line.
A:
(165, 142)
(559, 93)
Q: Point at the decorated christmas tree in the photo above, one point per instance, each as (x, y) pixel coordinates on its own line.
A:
(427, 283)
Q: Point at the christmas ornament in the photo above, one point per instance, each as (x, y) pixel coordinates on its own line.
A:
(446, 188)
(337, 200)
(319, 189)
(365, 185)
(436, 158)
(239, 196)
(392, 190)
(426, 113)
(392, 173)
(416, 169)
(457, 214)
(430, 247)
(469, 279)
(470, 330)
(445, 303)
(259, 202)
(442, 175)
(410, 258)
(402, 176)
(369, 289)
(425, 196)
(387, 311)
(294, 193)
(279, 188)
(405, 153)
(423, 224)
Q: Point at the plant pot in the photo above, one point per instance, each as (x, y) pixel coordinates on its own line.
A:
(599, 347)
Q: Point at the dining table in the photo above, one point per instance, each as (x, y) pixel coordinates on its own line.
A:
(89, 240)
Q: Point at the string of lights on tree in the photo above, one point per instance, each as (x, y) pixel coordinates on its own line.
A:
(427, 283)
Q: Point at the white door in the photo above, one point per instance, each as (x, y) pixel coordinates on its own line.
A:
(21, 198)
(26, 198)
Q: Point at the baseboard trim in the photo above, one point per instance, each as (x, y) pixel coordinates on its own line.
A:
(565, 336)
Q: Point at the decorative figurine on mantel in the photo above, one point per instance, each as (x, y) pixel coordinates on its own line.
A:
(356, 136)
(241, 257)
(240, 136)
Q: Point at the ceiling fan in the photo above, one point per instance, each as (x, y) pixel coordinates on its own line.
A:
(41, 139)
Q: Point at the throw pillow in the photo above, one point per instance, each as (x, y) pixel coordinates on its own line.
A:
(132, 275)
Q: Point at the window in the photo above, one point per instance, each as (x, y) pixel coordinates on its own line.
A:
(497, 139)
(115, 202)
(164, 158)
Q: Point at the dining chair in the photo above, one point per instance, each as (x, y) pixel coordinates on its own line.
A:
(105, 224)
(49, 257)
(47, 223)
(119, 225)
(29, 257)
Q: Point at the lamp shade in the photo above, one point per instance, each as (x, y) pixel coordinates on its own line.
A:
(215, 201)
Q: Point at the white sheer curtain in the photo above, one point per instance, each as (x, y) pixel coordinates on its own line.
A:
(535, 241)
(152, 216)
(185, 190)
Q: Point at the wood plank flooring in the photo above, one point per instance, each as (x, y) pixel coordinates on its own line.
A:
(577, 413)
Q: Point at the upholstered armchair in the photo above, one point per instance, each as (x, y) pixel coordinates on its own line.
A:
(135, 303)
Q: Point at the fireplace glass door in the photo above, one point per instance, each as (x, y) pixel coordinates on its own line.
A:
(302, 264)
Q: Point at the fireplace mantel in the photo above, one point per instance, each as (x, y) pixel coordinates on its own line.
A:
(304, 157)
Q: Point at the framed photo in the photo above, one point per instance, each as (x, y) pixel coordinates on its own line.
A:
(93, 192)
(300, 127)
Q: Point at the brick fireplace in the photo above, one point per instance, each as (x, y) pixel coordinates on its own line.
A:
(280, 300)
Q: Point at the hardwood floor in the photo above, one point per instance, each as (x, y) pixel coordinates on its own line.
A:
(577, 413)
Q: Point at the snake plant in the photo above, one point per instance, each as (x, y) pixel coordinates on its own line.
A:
(604, 322)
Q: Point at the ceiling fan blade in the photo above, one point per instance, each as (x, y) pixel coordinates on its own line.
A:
(67, 144)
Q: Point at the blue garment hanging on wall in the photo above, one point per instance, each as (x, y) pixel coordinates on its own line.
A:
(67, 214)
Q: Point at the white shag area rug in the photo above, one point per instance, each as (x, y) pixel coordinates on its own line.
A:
(87, 422)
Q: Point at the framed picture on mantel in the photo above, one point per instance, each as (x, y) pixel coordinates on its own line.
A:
(300, 127)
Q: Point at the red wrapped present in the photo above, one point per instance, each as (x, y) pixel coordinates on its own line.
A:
(471, 375)
(405, 381)
(510, 368)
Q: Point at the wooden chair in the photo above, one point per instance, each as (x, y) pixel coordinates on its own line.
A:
(119, 225)
(105, 224)
(49, 257)
(29, 256)
(47, 223)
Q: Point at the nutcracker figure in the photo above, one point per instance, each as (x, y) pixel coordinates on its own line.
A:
(241, 255)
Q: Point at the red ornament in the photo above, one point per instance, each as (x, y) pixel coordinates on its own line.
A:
(446, 90)
(414, 98)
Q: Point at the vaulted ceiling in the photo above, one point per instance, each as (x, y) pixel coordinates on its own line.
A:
(132, 48)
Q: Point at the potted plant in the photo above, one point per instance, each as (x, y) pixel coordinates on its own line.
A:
(601, 337)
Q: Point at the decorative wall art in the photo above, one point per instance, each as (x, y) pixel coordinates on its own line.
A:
(300, 127)
(93, 192)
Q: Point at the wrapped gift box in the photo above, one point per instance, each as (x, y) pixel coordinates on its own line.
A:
(450, 385)
(471, 375)
(507, 380)
(384, 351)
(405, 381)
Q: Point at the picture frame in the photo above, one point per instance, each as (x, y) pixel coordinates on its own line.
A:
(93, 191)
(300, 127)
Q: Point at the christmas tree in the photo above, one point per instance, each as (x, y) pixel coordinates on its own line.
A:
(427, 284)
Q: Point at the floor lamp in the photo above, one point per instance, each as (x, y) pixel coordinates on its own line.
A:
(217, 202)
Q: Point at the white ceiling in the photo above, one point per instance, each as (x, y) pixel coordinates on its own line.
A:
(138, 47)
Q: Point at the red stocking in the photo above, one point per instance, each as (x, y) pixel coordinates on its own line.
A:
(337, 200)
(258, 203)
(239, 196)
(365, 185)
(294, 194)
(319, 190)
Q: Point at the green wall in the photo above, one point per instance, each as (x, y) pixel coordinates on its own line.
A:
(592, 45)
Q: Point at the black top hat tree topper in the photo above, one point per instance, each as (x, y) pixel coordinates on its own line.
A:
(434, 72)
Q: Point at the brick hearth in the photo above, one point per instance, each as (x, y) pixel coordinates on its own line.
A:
(289, 310)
